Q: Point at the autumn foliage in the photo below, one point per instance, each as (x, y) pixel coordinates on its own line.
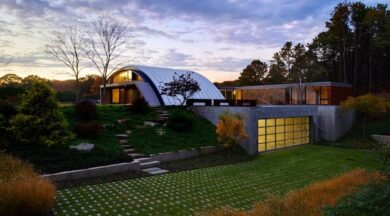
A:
(22, 190)
(231, 129)
(311, 199)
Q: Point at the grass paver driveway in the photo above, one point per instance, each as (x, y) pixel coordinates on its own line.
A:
(236, 185)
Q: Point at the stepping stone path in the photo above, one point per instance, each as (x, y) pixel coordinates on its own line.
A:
(162, 113)
(147, 164)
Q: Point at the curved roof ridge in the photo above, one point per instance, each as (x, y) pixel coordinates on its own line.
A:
(159, 75)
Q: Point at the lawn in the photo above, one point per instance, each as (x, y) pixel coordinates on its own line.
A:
(235, 185)
(147, 141)
(107, 149)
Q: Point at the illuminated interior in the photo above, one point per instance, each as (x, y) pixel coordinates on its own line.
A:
(115, 95)
(277, 133)
(125, 76)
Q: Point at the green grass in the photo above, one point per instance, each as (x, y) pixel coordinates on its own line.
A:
(236, 185)
(107, 149)
(148, 141)
(60, 158)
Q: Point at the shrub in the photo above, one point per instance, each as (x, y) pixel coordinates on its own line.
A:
(372, 200)
(23, 192)
(369, 106)
(86, 110)
(231, 129)
(88, 129)
(40, 121)
(311, 199)
(140, 106)
(180, 120)
(8, 109)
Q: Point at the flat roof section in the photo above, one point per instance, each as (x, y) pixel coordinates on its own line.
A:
(289, 85)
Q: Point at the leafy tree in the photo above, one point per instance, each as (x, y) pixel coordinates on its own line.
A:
(182, 87)
(40, 122)
(369, 106)
(254, 74)
(231, 129)
(10, 79)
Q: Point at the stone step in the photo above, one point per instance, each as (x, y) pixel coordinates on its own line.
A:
(130, 150)
(136, 155)
(149, 164)
(144, 159)
(123, 142)
(126, 146)
(122, 136)
(155, 171)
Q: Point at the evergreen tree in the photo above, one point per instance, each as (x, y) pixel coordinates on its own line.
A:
(254, 74)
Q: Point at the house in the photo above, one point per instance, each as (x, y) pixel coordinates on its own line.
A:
(131, 82)
(315, 93)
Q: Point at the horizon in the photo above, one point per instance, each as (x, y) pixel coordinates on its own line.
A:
(217, 39)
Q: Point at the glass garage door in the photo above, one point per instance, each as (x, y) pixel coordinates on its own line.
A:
(275, 133)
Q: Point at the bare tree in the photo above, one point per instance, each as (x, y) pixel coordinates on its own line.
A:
(68, 47)
(108, 40)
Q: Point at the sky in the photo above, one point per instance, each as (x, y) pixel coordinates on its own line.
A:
(216, 38)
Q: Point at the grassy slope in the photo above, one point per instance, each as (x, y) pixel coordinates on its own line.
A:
(236, 185)
(107, 149)
(146, 140)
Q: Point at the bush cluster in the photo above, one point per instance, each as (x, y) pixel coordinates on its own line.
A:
(140, 106)
(311, 199)
(23, 192)
(89, 129)
(39, 121)
(181, 120)
(86, 110)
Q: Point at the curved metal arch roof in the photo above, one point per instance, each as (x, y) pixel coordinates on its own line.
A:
(157, 76)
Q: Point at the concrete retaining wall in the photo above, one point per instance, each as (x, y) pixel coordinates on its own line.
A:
(334, 123)
(126, 167)
(251, 114)
(382, 139)
(184, 154)
(94, 171)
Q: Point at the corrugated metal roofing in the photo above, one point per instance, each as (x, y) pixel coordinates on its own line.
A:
(158, 76)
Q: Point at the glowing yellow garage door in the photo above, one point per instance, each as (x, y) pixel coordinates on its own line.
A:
(274, 133)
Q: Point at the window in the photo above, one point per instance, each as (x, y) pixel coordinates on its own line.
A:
(274, 133)
(115, 95)
(324, 95)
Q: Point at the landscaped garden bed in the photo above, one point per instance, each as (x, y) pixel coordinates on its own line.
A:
(236, 185)
(107, 150)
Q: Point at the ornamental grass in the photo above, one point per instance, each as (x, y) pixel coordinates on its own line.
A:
(22, 190)
(309, 200)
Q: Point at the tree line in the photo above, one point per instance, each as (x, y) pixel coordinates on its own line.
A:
(12, 85)
(354, 48)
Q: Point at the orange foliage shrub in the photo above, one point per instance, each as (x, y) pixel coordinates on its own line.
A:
(311, 199)
(22, 191)
(231, 129)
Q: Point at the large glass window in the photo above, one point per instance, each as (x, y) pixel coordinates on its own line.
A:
(274, 133)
